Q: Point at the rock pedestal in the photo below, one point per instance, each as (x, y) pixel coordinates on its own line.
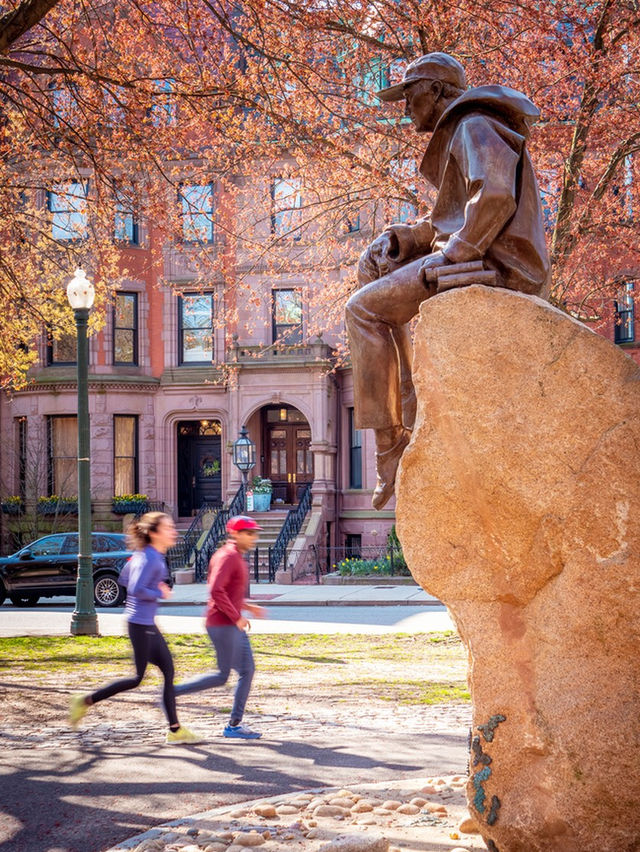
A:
(518, 505)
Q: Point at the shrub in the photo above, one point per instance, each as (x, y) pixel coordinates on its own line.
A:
(358, 567)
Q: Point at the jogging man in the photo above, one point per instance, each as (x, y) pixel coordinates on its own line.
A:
(226, 625)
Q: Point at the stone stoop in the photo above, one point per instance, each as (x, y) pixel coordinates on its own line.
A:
(271, 522)
(298, 554)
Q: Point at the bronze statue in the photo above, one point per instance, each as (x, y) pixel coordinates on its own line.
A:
(485, 227)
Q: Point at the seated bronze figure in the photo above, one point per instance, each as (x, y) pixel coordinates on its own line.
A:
(485, 227)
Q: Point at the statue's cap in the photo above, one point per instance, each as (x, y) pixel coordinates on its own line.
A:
(431, 66)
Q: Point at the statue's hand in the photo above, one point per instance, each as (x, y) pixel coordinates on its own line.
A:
(378, 258)
(429, 267)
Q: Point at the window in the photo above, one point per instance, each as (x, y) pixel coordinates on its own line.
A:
(352, 224)
(125, 225)
(196, 209)
(352, 545)
(125, 329)
(625, 315)
(62, 351)
(164, 112)
(21, 443)
(372, 78)
(63, 455)
(196, 329)
(68, 204)
(125, 454)
(287, 316)
(48, 546)
(355, 453)
(286, 218)
(64, 105)
(404, 173)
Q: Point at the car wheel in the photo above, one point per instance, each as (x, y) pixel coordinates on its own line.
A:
(107, 591)
(24, 599)
(3, 593)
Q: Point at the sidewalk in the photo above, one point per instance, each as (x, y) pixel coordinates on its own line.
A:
(318, 595)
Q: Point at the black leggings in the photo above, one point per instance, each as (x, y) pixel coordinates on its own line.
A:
(148, 647)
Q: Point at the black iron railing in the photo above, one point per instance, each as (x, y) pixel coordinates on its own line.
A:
(290, 529)
(217, 532)
(181, 554)
(382, 561)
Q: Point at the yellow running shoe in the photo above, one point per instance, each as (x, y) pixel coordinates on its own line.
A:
(182, 736)
(77, 708)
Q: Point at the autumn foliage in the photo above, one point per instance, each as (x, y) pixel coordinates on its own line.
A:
(132, 100)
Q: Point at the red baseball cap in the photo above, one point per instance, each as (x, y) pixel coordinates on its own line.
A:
(241, 522)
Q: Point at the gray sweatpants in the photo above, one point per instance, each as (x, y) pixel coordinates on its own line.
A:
(233, 651)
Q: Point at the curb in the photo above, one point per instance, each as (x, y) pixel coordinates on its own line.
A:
(429, 829)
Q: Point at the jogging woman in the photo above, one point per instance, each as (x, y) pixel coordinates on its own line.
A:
(145, 577)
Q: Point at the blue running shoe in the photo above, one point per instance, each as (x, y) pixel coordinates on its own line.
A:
(241, 732)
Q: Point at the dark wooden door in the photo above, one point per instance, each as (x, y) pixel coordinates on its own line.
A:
(199, 468)
(289, 460)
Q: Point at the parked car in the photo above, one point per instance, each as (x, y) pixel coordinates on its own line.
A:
(48, 567)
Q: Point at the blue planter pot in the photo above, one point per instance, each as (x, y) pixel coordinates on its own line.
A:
(261, 502)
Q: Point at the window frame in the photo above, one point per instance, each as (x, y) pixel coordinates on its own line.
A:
(21, 428)
(52, 361)
(184, 213)
(181, 329)
(55, 193)
(286, 327)
(116, 328)
(135, 459)
(625, 315)
(52, 486)
(291, 231)
(355, 453)
(353, 546)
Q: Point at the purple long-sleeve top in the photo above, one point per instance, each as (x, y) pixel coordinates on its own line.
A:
(142, 574)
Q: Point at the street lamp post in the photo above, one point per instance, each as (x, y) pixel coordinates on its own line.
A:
(244, 458)
(84, 621)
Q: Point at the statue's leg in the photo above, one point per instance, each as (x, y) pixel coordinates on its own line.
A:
(404, 348)
(376, 316)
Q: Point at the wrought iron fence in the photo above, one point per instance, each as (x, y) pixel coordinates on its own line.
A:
(377, 560)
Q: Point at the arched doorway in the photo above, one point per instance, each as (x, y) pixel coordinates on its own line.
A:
(199, 464)
(288, 459)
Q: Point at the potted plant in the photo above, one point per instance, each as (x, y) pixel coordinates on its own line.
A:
(262, 489)
(12, 505)
(56, 505)
(124, 504)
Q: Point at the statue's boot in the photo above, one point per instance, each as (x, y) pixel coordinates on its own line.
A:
(386, 469)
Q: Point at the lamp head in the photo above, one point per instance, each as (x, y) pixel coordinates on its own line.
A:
(244, 451)
(80, 291)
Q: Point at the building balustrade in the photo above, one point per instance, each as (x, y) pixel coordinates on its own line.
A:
(298, 353)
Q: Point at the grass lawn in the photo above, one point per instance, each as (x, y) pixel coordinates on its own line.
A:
(412, 669)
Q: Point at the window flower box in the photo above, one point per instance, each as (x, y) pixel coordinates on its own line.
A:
(12, 505)
(56, 505)
(125, 504)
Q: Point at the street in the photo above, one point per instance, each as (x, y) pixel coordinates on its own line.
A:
(54, 618)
